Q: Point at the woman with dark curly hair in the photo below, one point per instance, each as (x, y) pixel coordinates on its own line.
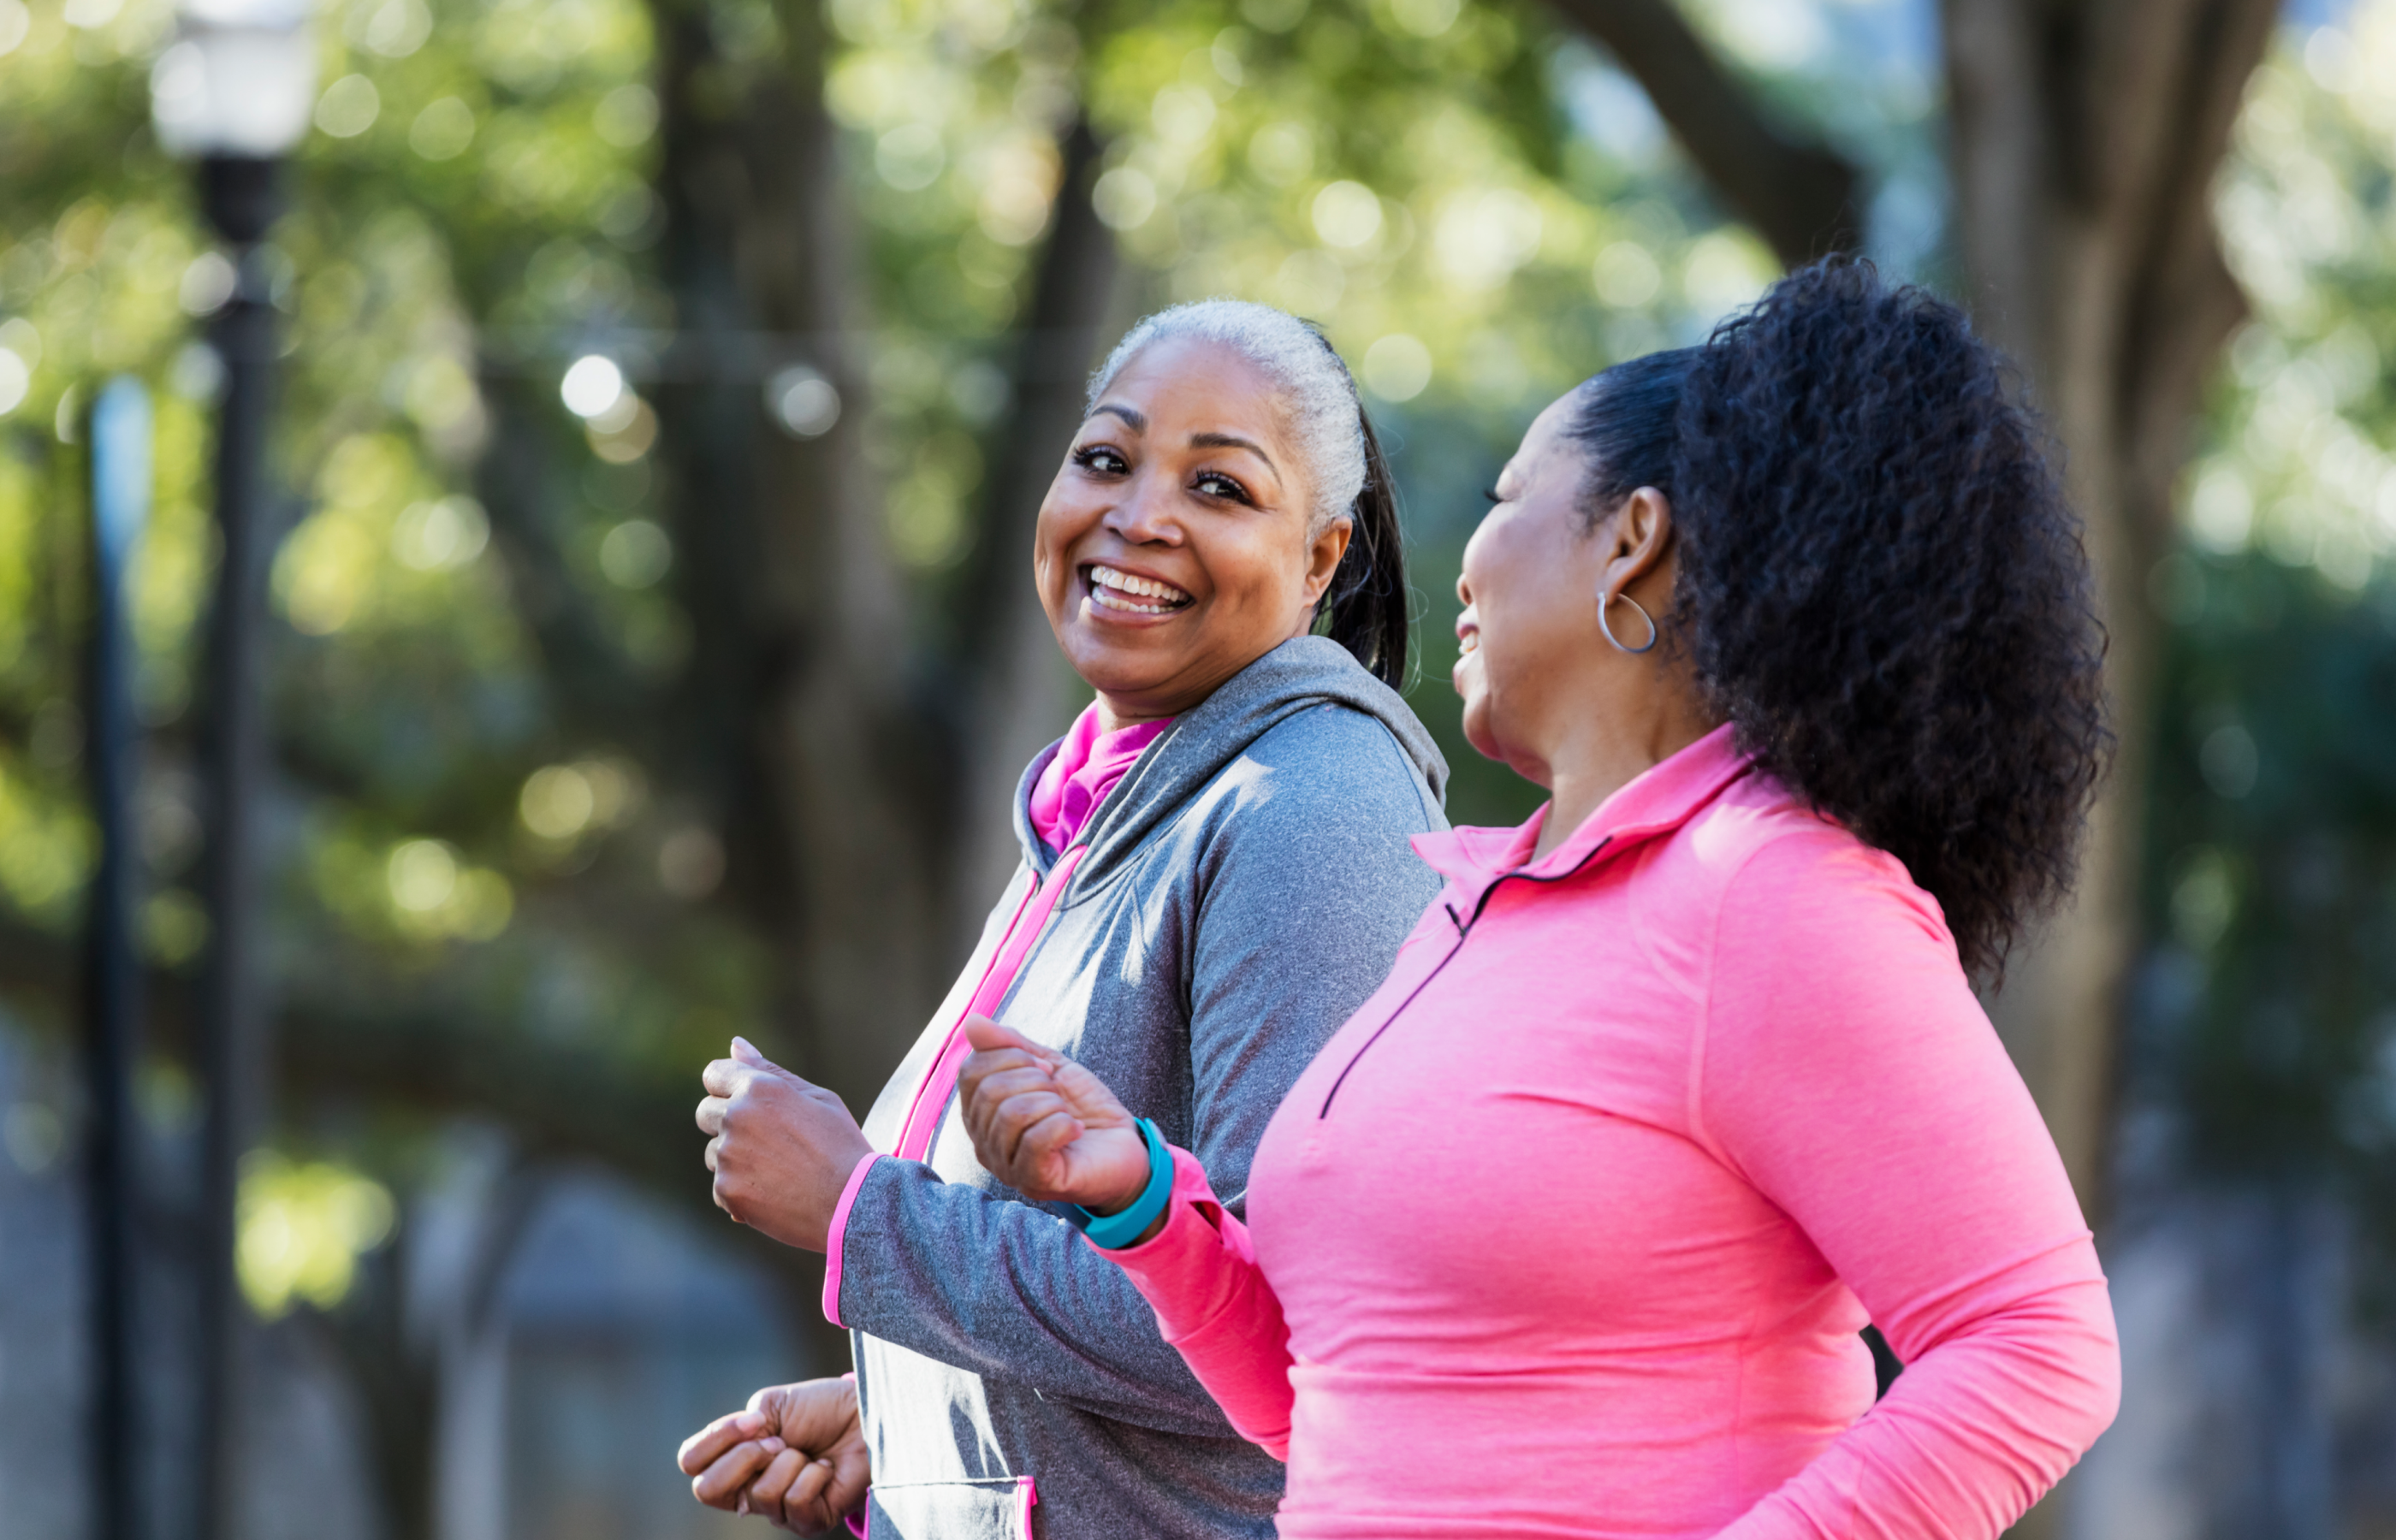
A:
(1571, 1229)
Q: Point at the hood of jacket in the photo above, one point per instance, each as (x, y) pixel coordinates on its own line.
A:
(1299, 675)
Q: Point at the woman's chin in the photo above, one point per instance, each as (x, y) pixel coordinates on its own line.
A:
(1477, 729)
(1123, 661)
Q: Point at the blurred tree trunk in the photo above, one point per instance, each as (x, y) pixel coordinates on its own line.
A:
(857, 817)
(797, 722)
(400, 1347)
(2084, 139)
(1024, 694)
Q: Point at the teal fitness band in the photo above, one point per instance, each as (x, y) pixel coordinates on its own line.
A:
(1115, 1231)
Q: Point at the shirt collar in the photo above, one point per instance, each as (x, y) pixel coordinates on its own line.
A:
(1657, 801)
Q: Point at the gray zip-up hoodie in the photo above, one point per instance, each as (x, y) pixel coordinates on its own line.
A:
(1245, 888)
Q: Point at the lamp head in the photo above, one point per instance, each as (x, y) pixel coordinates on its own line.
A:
(239, 81)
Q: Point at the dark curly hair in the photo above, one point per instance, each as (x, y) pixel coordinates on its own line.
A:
(1880, 583)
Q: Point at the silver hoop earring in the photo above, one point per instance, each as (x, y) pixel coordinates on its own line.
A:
(1605, 603)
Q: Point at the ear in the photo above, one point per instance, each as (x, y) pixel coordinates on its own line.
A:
(1638, 540)
(1323, 556)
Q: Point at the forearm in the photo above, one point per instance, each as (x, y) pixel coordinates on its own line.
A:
(1851, 1076)
(1977, 1430)
(1200, 1274)
(1008, 1292)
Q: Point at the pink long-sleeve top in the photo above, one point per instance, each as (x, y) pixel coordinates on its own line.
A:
(1570, 1230)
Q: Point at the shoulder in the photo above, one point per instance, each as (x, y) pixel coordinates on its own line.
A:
(1773, 872)
(1321, 809)
(1831, 982)
(1330, 761)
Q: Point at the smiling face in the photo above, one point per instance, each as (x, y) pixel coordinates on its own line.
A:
(1174, 547)
(1531, 574)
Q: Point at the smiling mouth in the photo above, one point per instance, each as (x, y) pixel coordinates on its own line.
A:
(1124, 592)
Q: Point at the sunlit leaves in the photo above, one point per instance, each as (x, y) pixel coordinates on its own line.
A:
(2302, 465)
(2268, 1010)
(1387, 187)
(302, 1226)
(46, 846)
(407, 892)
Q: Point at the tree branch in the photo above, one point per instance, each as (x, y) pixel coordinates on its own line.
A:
(2184, 301)
(1799, 195)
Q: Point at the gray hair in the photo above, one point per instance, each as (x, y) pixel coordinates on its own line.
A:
(1316, 394)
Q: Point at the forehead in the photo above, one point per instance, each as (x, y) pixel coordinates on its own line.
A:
(1182, 379)
(1544, 442)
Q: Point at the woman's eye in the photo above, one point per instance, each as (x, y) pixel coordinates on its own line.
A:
(1100, 459)
(1216, 484)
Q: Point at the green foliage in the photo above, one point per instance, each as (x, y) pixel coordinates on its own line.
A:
(479, 821)
(2268, 1016)
(475, 198)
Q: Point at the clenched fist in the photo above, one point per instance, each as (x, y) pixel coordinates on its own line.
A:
(796, 1457)
(781, 1149)
(1047, 1126)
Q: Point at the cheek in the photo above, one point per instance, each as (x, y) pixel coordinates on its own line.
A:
(1063, 519)
(1531, 631)
(1248, 571)
(1540, 602)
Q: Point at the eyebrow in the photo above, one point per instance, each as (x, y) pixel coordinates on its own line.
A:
(1233, 441)
(1138, 423)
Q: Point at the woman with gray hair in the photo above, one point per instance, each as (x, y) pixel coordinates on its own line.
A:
(1215, 874)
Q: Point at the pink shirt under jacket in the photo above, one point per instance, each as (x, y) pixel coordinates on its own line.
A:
(1088, 763)
(1570, 1230)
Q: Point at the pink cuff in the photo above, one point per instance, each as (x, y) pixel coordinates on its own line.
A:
(1193, 1221)
(1198, 1274)
(836, 1235)
(1198, 1265)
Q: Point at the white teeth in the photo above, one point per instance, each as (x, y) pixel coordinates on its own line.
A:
(1106, 600)
(1105, 577)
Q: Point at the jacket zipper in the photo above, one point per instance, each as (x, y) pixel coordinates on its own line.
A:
(931, 1106)
(1463, 933)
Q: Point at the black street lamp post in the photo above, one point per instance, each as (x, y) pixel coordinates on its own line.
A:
(236, 91)
(238, 196)
(119, 437)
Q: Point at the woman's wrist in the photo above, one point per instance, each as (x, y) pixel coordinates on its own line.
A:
(1130, 1224)
(1109, 1208)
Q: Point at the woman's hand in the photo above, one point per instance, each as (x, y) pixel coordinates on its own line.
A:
(796, 1457)
(781, 1149)
(1047, 1126)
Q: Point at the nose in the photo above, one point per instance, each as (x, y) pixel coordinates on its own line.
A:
(1464, 569)
(1144, 515)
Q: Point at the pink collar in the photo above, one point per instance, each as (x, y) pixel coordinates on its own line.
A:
(1086, 765)
(1657, 801)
